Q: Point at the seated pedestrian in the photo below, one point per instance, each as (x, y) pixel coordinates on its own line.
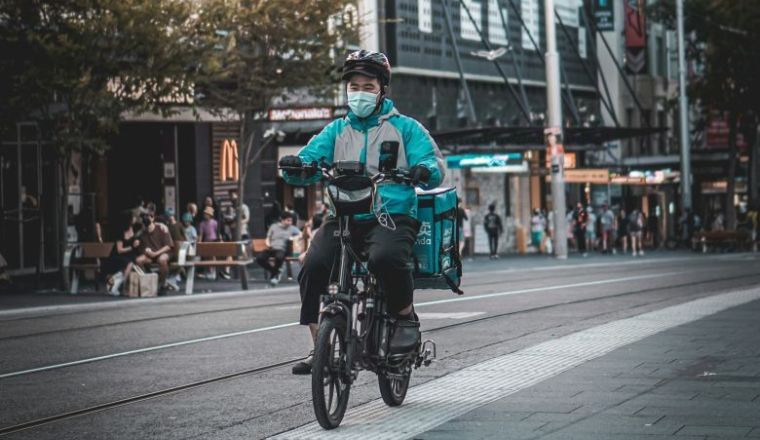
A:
(192, 209)
(156, 248)
(176, 230)
(118, 265)
(191, 234)
(278, 236)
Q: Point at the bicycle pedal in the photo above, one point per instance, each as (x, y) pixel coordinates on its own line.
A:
(427, 353)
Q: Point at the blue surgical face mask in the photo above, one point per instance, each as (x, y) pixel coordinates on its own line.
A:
(362, 103)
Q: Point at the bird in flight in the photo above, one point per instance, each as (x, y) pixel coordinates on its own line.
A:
(490, 55)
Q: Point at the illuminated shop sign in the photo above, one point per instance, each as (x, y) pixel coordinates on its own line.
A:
(300, 114)
(647, 177)
(229, 164)
(485, 160)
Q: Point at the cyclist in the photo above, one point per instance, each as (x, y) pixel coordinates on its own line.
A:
(371, 120)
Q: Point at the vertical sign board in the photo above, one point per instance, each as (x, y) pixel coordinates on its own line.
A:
(604, 15)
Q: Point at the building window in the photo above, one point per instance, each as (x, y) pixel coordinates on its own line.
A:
(645, 142)
(662, 57)
(662, 121)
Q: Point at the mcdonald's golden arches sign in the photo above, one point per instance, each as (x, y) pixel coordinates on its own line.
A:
(229, 162)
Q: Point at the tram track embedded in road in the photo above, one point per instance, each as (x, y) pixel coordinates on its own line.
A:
(259, 370)
(139, 398)
(212, 311)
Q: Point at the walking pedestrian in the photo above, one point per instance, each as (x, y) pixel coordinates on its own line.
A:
(607, 221)
(622, 229)
(580, 218)
(590, 230)
(635, 230)
(467, 233)
(537, 227)
(494, 228)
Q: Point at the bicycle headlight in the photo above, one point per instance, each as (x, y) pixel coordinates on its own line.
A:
(332, 289)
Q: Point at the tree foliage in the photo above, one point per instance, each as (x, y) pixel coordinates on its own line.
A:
(722, 47)
(258, 50)
(76, 66)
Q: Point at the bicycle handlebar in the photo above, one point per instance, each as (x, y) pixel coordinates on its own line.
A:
(397, 175)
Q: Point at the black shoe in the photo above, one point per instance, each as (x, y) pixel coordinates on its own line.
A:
(406, 335)
(226, 275)
(304, 367)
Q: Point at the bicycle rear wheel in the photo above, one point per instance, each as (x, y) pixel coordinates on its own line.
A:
(329, 373)
(393, 389)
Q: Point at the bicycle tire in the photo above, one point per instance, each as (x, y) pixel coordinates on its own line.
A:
(393, 391)
(329, 372)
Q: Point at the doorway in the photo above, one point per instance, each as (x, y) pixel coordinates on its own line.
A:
(28, 196)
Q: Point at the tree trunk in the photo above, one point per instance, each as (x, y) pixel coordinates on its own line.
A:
(242, 168)
(63, 207)
(753, 141)
(731, 186)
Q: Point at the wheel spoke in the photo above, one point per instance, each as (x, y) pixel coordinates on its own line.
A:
(330, 396)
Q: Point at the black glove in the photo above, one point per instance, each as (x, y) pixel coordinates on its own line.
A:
(419, 174)
(290, 162)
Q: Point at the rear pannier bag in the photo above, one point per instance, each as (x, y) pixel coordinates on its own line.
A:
(437, 264)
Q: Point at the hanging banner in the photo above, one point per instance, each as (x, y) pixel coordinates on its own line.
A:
(635, 24)
(635, 36)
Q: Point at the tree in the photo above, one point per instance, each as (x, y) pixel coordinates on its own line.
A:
(722, 45)
(75, 67)
(263, 50)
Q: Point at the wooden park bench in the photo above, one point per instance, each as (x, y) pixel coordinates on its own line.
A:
(726, 240)
(81, 257)
(217, 255)
(259, 245)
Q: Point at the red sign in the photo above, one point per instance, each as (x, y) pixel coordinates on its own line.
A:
(717, 132)
(635, 24)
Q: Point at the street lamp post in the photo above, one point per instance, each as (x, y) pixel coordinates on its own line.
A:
(553, 132)
(683, 105)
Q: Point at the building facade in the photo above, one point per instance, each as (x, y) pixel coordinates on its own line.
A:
(432, 84)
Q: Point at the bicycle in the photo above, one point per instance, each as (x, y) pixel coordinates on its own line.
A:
(355, 327)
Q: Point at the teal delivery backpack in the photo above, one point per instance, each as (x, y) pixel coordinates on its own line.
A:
(437, 263)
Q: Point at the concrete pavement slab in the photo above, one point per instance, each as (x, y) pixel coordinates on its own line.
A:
(696, 398)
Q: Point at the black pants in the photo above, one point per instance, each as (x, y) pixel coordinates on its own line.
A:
(493, 242)
(389, 251)
(263, 260)
(580, 238)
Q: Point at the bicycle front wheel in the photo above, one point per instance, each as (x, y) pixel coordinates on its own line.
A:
(329, 372)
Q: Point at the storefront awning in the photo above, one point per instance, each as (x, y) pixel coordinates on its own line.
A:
(472, 140)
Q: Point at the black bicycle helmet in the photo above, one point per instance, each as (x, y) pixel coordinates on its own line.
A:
(368, 63)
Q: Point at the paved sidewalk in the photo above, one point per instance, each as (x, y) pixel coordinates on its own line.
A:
(697, 381)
